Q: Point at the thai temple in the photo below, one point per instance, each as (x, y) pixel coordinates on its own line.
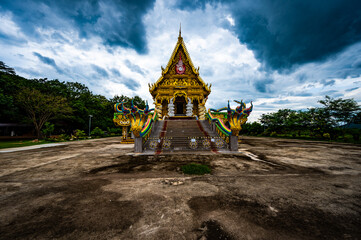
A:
(180, 91)
(180, 120)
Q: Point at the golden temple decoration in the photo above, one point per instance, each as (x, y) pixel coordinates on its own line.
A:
(202, 109)
(121, 120)
(140, 120)
(179, 82)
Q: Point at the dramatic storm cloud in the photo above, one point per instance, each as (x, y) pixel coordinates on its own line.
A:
(284, 33)
(116, 22)
(280, 54)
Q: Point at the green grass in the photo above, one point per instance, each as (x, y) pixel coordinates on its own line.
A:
(17, 143)
(195, 169)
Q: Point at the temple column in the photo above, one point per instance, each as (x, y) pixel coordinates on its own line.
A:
(158, 109)
(189, 112)
(124, 132)
(171, 108)
(202, 110)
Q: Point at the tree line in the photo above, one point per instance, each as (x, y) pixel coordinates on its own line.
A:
(55, 107)
(61, 107)
(336, 119)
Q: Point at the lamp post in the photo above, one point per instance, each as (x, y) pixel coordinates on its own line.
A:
(90, 123)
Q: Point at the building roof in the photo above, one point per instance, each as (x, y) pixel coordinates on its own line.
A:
(180, 45)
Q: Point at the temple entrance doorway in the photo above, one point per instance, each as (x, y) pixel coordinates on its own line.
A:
(180, 104)
(164, 108)
(195, 107)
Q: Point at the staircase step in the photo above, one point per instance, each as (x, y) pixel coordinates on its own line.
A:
(179, 133)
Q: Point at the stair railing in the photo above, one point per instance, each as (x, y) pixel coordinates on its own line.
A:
(223, 131)
(222, 134)
(147, 128)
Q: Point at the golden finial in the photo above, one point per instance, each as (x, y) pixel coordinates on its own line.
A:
(180, 29)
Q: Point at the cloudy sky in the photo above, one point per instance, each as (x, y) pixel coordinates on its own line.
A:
(280, 54)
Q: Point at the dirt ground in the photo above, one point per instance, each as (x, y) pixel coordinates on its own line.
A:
(98, 189)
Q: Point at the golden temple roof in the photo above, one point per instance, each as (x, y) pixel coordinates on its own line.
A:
(167, 73)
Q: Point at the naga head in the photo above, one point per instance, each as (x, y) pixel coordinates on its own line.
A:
(133, 108)
(229, 110)
(146, 109)
(241, 106)
(119, 107)
(248, 110)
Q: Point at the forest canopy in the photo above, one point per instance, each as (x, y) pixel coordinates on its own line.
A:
(67, 105)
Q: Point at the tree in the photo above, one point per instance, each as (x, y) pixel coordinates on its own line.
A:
(357, 118)
(140, 103)
(341, 111)
(15, 108)
(137, 101)
(41, 107)
(254, 128)
(277, 121)
(6, 69)
(97, 132)
(320, 120)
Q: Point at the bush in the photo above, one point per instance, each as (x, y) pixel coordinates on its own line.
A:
(195, 169)
(273, 134)
(48, 129)
(79, 134)
(63, 137)
(355, 134)
(115, 130)
(97, 132)
(347, 138)
(266, 133)
(326, 136)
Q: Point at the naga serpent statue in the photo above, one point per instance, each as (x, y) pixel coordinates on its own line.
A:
(234, 117)
(140, 119)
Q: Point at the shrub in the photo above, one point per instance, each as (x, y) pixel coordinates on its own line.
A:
(63, 137)
(326, 136)
(266, 133)
(196, 169)
(355, 134)
(115, 130)
(347, 138)
(48, 129)
(97, 132)
(273, 134)
(79, 134)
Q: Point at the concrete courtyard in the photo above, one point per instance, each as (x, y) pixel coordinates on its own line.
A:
(98, 189)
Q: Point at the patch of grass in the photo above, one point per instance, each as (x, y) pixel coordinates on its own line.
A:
(195, 169)
(11, 144)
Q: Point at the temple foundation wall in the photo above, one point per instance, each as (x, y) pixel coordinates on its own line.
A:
(233, 143)
(138, 145)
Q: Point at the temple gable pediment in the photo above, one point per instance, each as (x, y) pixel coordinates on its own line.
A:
(180, 72)
(181, 82)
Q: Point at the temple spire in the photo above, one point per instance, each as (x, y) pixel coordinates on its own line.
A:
(180, 29)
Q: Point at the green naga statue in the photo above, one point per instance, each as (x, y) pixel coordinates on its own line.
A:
(234, 117)
(140, 119)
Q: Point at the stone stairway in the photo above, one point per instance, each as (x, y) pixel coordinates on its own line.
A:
(183, 135)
